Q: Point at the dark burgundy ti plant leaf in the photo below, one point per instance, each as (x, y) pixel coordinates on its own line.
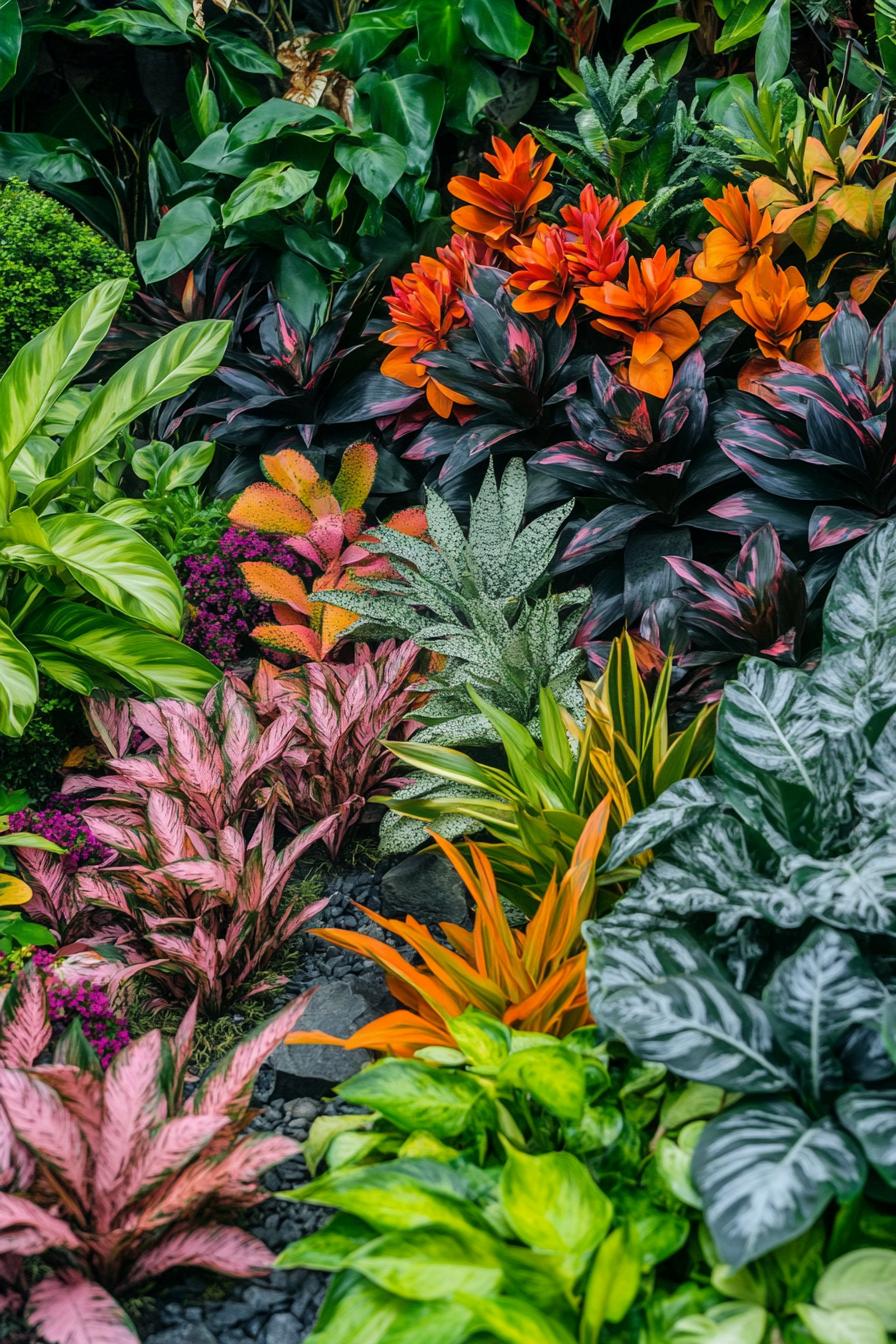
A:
(824, 442)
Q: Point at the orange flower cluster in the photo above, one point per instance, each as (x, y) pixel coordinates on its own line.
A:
(587, 249)
(645, 312)
(424, 305)
(502, 210)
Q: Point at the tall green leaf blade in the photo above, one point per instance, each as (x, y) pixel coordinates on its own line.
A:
(43, 368)
(10, 39)
(118, 566)
(18, 683)
(164, 370)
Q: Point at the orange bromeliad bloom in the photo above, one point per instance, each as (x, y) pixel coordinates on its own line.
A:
(545, 276)
(601, 212)
(744, 234)
(774, 301)
(502, 209)
(424, 305)
(645, 313)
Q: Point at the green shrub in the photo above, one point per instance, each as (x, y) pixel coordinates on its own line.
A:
(47, 260)
(33, 761)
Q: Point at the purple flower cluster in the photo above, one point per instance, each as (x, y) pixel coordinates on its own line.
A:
(221, 610)
(62, 822)
(103, 1029)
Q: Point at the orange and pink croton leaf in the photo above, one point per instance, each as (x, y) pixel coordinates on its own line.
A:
(325, 525)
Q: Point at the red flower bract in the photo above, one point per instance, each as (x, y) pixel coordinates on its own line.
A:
(502, 210)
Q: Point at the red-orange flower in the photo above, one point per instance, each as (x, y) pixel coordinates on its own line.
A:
(602, 212)
(545, 277)
(645, 313)
(502, 209)
(774, 301)
(744, 234)
(424, 306)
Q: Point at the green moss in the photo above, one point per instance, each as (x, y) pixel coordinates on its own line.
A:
(47, 260)
(33, 761)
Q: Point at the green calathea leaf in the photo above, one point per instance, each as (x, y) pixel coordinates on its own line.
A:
(700, 1028)
(272, 187)
(375, 159)
(498, 26)
(846, 1325)
(814, 997)
(184, 231)
(766, 1172)
(864, 1278)
(414, 1096)
(161, 371)
(862, 600)
(18, 683)
(769, 733)
(684, 802)
(43, 369)
(117, 566)
(81, 647)
(870, 1118)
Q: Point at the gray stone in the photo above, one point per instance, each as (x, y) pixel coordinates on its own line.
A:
(282, 1329)
(312, 1070)
(426, 886)
(188, 1333)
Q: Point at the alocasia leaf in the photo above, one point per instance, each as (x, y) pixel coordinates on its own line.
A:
(701, 1029)
(871, 1119)
(766, 1172)
(814, 996)
(862, 600)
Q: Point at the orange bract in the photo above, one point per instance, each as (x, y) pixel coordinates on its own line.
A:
(532, 979)
(744, 234)
(502, 209)
(424, 306)
(644, 313)
(774, 301)
(544, 277)
(602, 213)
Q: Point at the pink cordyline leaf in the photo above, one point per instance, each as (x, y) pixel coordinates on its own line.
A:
(206, 874)
(110, 722)
(168, 1152)
(133, 1107)
(238, 1171)
(68, 1309)
(227, 1250)
(167, 825)
(24, 1022)
(139, 770)
(17, 1166)
(41, 1121)
(104, 891)
(226, 1090)
(82, 1094)
(182, 1045)
(28, 1229)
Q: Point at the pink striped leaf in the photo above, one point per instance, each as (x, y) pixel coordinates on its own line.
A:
(133, 1107)
(227, 1250)
(68, 1309)
(167, 824)
(178, 1142)
(24, 1022)
(28, 1229)
(227, 1088)
(41, 1121)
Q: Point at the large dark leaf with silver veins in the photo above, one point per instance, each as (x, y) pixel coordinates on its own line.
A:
(871, 1118)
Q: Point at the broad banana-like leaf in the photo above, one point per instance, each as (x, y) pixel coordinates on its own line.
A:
(156, 664)
(18, 683)
(44, 367)
(161, 371)
(118, 566)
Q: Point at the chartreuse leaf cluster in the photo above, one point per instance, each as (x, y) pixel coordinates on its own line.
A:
(756, 952)
(84, 599)
(502, 1190)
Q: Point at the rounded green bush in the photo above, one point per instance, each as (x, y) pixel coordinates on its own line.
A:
(47, 260)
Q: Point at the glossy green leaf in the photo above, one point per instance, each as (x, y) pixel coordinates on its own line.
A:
(773, 44)
(662, 31)
(140, 26)
(409, 109)
(846, 1325)
(553, 1203)
(272, 187)
(118, 566)
(18, 683)
(414, 1096)
(553, 1075)
(184, 232)
(425, 1265)
(155, 664)
(863, 1278)
(512, 1320)
(10, 39)
(243, 54)
(498, 26)
(375, 159)
(744, 23)
(395, 1197)
(439, 35)
(43, 369)
(161, 371)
